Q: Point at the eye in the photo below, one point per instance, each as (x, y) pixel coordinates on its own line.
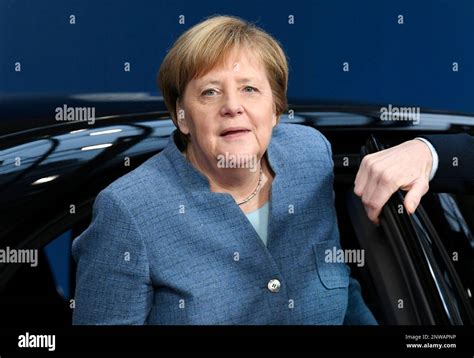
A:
(250, 89)
(209, 92)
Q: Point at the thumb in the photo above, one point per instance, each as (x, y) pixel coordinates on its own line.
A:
(413, 197)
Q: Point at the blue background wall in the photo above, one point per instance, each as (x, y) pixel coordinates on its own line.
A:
(389, 63)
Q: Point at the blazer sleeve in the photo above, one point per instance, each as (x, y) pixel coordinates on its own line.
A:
(113, 284)
(456, 162)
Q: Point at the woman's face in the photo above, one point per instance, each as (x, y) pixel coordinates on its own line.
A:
(230, 110)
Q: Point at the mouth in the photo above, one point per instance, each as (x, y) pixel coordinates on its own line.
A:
(234, 132)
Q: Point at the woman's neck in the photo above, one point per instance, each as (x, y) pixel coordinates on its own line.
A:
(238, 182)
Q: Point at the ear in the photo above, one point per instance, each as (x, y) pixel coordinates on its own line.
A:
(274, 119)
(181, 118)
(274, 115)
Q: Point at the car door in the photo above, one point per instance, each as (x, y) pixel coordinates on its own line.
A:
(415, 279)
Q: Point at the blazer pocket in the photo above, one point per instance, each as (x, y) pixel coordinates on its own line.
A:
(332, 274)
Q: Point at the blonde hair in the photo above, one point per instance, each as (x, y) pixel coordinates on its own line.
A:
(207, 45)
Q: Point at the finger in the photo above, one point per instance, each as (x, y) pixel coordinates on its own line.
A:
(362, 175)
(374, 172)
(413, 197)
(372, 217)
(379, 187)
(370, 188)
(378, 200)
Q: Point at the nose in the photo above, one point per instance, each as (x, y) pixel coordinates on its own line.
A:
(232, 105)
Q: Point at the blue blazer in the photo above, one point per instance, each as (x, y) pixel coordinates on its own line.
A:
(163, 249)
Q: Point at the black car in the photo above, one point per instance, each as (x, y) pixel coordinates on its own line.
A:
(419, 268)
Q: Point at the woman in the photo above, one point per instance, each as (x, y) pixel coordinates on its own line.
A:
(229, 224)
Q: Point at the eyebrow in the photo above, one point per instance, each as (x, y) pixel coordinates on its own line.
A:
(240, 80)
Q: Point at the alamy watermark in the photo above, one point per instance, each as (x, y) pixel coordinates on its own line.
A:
(79, 114)
(19, 256)
(28, 340)
(394, 113)
(336, 255)
(228, 160)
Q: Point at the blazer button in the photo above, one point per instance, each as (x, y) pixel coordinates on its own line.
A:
(274, 285)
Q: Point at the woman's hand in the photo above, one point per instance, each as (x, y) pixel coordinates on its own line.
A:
(406, 166)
